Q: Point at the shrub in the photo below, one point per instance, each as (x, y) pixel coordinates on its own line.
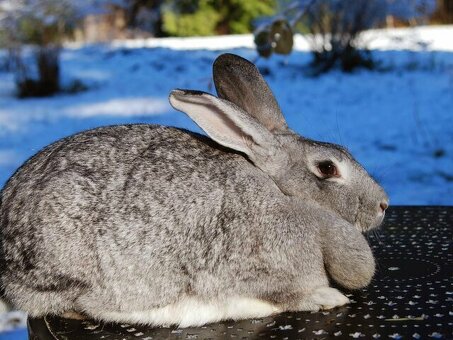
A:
(180, 19)
(210, 17)
(42, 25)
(335, 27)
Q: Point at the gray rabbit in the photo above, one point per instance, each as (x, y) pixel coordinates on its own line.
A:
(163, 226)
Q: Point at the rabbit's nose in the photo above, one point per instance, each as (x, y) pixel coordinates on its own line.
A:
(384, 205)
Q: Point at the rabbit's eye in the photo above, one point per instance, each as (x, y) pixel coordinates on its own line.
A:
(328, 169)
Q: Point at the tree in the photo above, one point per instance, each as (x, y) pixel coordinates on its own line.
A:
(43, 25)
(210, 17)
(144, 15)
(335, 26)
(444, 12)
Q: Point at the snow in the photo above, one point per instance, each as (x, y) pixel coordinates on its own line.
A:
(195, 43)
(12, 320)
(423, 38)
(115, 107)
(398, 121)
(436, 38)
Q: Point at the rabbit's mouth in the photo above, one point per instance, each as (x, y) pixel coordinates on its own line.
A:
(369, 214)
(368, 223)
(379, 219)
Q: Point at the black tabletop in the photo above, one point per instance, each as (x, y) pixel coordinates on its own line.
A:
(411, 296)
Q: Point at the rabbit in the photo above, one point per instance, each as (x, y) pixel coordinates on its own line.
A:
(157, 225)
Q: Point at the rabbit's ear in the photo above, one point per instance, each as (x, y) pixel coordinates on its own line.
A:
(230, 126)
(239, 81)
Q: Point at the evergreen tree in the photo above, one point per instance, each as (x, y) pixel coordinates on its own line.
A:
(210, 17)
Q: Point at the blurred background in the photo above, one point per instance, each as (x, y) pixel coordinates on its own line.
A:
(373, 75)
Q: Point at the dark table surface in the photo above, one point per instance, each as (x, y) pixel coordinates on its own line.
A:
(411, 296)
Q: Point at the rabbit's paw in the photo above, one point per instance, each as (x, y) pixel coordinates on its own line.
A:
(73, 315)
(323, 298)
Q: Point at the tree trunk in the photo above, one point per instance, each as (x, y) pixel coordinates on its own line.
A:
(47, 60)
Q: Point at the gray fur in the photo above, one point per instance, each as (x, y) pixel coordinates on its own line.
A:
(136, 217)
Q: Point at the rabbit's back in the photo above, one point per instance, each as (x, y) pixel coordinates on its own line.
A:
(139, 206)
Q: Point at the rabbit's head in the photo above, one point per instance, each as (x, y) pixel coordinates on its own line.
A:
(246, 117)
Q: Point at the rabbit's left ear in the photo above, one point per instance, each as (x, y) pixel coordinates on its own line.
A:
(238, 80)
(230, 126)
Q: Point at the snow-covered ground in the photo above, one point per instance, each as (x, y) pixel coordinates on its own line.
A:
(397, 121)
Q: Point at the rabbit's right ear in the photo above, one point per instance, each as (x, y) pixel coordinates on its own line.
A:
(238, 80)
(230, 126)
